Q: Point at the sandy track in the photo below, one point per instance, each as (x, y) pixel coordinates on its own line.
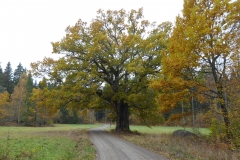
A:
(112, 148)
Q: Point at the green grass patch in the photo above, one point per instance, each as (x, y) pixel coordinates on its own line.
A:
(167, 129)
(58, 142)
(37, 148)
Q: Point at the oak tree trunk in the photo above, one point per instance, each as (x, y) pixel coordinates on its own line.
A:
(122, 121)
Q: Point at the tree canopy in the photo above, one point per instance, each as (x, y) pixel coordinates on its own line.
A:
(201, 54)
(111, 60)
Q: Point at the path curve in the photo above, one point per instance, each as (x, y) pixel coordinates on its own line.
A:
(112, 148)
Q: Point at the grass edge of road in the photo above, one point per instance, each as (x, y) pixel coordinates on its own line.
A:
(159, 140)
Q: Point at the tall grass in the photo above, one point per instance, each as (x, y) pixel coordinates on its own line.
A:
(160, 140)
(176, 148)
(48, 143)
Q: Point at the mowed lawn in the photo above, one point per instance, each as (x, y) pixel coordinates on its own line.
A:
(63, 141)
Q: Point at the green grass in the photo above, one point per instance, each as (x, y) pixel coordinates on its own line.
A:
(59, 142)
(55, 127)
(165, 129)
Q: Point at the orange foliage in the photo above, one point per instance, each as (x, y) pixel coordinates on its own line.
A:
(4, 98)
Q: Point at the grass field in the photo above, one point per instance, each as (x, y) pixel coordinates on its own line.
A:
(48, 143)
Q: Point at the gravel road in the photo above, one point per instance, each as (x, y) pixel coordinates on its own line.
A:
(112, 148)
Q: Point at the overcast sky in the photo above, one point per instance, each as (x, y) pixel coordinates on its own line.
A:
(27, 27)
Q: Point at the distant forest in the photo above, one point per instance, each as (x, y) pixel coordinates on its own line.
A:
(18, 107)
(9, 78)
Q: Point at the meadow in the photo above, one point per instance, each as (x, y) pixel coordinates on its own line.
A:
(60, 141)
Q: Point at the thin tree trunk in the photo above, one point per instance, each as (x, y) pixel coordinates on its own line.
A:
(193, 118)
(183, 119)
(225, 114)
(227, 123)
(19, 108)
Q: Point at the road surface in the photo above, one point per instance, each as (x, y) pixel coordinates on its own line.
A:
(112, 148)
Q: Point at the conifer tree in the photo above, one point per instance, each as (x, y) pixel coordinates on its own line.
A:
(2, 89)
(8, 78)
(17, 73)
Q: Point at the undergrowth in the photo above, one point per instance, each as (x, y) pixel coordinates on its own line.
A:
(179, 148)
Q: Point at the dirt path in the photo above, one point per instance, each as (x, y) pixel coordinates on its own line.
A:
(112, 148)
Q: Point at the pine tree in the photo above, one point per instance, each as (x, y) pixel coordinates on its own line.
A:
(8, 78)
(2, 89)
(17, 73)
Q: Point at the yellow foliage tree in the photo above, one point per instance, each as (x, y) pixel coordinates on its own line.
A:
(118, 50)
(4, 100)
(19, 98)
(203, 44)
(46, 103)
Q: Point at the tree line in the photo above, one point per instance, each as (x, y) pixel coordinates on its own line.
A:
(17, 91)
(13, 86)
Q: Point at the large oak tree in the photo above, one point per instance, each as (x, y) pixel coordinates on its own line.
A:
(109, 64)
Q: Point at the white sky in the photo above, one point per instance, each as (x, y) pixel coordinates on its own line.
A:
(27, 27)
